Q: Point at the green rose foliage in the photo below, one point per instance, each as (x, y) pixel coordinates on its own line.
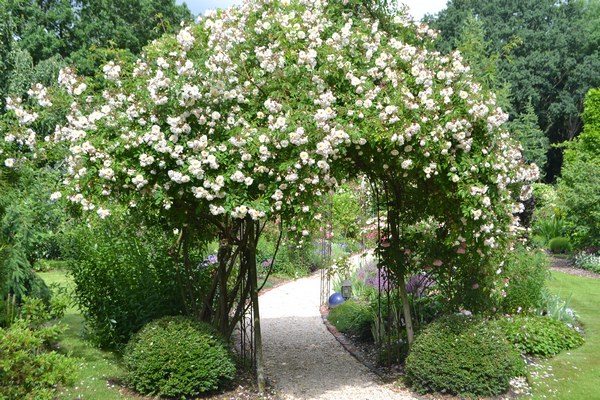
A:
(525, 271)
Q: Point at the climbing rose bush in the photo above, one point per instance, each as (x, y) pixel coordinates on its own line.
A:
(258, 110)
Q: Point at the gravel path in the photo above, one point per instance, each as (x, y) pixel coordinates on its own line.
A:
(303, 360)
(566, 266)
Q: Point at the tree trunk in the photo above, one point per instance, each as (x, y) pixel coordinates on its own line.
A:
(397, 259)
(250, 259)
(410, 334)
(224, 258)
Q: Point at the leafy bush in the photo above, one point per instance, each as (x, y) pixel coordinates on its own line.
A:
(540, 335)
(549, 228)
(352, 317)
(124, 279)
(559, 245)
(527, 271)
(176, 357)
(587, 261)
(28, 369)
(464, 356)
(579, 185)
(292, 260)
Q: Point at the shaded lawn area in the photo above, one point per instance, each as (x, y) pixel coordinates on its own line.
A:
(575, 374)
(95, 368)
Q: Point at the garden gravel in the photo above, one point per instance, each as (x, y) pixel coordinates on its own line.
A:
(303, 360)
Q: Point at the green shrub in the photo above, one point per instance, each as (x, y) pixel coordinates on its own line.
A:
(123, 279)
(559, 245)
(353, 318)
(540, 335)
(579, 184)
(528, 271)
(292, 260)
(27, 369)
(549, 227)
(176, 357)
(464, 356)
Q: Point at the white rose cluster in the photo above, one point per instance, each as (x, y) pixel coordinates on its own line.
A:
(258, 110)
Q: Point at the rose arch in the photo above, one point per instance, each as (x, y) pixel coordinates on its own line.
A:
(255, 112)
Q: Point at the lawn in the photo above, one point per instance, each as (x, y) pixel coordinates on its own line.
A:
(575, 374)
(96, 368)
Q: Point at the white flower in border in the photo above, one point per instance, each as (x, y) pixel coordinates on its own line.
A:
(103, 213)
(55, 196)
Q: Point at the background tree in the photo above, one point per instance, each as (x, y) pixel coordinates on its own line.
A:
(40, 37)
(553, 68)
(526, 130)
(579, 186)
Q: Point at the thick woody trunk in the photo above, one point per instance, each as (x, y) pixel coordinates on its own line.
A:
(250, 259)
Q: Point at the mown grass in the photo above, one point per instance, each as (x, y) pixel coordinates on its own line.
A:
(574, 374)
(97, 370)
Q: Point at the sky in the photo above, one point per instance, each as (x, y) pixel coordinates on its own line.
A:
(418, 8)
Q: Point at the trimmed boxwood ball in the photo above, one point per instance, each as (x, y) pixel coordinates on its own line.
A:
(465, 356)
(177, 357)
